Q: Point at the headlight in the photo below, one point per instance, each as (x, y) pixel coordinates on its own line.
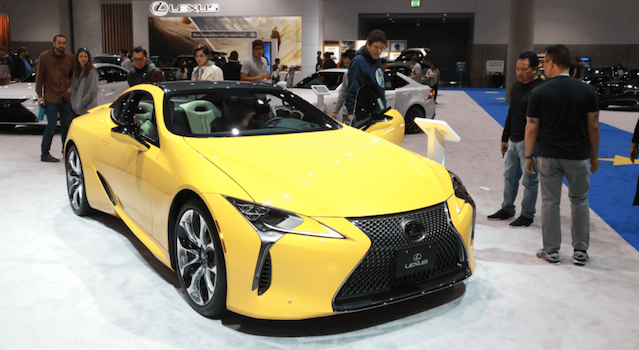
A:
(460, 190)
(268, 220)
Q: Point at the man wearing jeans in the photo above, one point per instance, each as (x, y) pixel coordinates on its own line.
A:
(563, 115)
(54, 71)
(513, 148)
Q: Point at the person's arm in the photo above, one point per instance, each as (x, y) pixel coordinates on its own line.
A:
(634, 151)
(505, 135)
(354, 73)
(530, 138)
(91, 92)
(341, 96)
(593, 137)
(40, 75)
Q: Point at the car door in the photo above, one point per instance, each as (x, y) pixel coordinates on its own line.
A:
(128, 170)
(111, 83)
(404, 93)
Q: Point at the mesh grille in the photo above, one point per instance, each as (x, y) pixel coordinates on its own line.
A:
(265, 276)
(376, 272)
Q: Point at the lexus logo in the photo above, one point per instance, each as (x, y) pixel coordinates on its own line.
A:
(417, 257)
(414, 230)
(159, 8)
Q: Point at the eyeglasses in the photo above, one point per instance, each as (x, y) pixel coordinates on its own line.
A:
(546, 61)
(83, 49)
(139, 59)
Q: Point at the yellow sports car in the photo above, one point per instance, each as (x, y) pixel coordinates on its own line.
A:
(267, 207)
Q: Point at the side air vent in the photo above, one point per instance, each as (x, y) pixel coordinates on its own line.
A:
(106, 189)
(265, 276)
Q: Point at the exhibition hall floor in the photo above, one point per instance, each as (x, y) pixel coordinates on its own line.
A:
(70, 282)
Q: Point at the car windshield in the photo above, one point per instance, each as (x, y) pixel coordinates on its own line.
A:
(331, 79)
(243, 112)
(107, 59)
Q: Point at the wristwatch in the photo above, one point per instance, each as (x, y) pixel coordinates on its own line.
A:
(529, 157)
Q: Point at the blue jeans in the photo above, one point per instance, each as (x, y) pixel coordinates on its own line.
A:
(514, 168)
(551, 173)
(52, 110)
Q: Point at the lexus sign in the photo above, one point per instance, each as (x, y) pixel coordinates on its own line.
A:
(161, 8)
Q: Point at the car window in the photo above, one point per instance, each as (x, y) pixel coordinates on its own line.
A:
(137, 108)
(237, 112)
(111, 74)
(143, 110)
(331, 79)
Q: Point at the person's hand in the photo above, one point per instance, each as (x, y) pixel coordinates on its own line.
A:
(531, 165)
(634, 152)
(41, 102)
(266, 76)
(504, 148)
(334, 115)
(594, 164)
(350, 116)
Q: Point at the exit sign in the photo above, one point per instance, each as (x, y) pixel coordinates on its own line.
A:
(415, 3)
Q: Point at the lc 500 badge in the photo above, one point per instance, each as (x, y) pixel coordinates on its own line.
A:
(415, 259)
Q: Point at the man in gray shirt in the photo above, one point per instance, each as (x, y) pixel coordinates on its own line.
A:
(255, 68)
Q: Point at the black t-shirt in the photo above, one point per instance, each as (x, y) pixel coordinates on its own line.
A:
(516, 120)
(562, 105)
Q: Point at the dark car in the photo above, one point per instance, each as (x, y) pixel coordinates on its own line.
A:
(618, 92)
(421, 53)
(107, 58)
(595, 76)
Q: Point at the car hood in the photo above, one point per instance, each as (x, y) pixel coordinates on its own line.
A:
(340, 173)
(18, 90)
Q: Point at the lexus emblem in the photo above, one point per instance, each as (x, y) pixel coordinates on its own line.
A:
(414, 230)
(417, 257)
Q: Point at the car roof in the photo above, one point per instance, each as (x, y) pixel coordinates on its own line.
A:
(99, 65)
(329, 70)
(182, 87)
(106, 55)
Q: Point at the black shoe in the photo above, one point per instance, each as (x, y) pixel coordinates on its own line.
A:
(522, 221)
(49, 158)
(501, 215)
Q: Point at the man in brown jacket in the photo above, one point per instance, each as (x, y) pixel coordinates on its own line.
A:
(53, 74)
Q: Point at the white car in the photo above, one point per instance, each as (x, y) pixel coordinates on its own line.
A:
(410, 98)
(19, 101)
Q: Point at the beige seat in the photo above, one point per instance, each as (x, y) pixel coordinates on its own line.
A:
(200, 114)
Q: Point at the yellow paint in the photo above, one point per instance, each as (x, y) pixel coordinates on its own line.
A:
(619, 160)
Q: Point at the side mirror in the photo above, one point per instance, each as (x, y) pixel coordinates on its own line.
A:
(128, 136)
(281, 84)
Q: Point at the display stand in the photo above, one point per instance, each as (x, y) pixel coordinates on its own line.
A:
(320, 91)
(438, 132)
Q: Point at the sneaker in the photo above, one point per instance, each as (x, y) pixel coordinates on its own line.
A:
(522, 221)
(501, 215)
(49, 158)
(552, 258)
(580, 257)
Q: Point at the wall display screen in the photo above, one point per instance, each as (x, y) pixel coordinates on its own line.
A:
(173, 36)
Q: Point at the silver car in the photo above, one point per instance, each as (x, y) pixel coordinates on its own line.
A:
(411, 99)
(19, 101)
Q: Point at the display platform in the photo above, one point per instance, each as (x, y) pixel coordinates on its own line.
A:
(87, 283)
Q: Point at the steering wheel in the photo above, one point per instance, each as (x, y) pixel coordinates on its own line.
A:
(274, 119)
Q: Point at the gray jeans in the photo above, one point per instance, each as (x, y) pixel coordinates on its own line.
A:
(551, 174)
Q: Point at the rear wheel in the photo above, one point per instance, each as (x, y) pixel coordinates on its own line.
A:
(75, 183)
(199, 260)
(411, 126)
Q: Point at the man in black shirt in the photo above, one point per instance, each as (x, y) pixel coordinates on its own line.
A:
(563, 115)
(513, 147)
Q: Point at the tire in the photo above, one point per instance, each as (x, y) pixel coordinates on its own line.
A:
(7, 127)
(199, 260)
(411, 114)
(75, 183)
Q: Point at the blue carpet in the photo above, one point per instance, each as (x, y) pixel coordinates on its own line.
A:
(612, 188)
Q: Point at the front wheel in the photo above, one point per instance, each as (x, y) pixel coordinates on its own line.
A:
(75, 183)
(199, 261)
(411, 126)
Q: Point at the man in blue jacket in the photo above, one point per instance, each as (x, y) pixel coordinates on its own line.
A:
(366, 77)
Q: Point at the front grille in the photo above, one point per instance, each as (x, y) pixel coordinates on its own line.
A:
(374, 280)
